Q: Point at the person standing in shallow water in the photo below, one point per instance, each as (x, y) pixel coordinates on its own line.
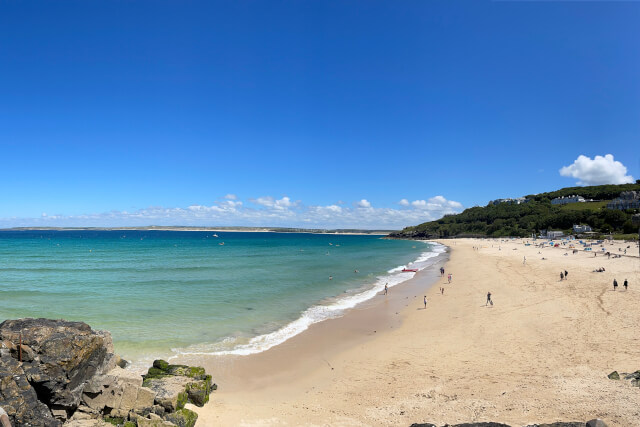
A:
(425, 302)
(386, 288)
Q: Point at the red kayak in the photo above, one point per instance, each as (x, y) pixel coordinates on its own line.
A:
(409, 270)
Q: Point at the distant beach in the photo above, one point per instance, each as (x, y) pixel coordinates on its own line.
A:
(540, 353)
(210, 229)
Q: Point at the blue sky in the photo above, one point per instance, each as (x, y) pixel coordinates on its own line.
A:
(308, 113)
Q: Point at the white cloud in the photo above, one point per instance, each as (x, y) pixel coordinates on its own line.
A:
(262, 212)
(403, 202)
(597, 171)
(271, 203)
(231, 197)
(437, 203)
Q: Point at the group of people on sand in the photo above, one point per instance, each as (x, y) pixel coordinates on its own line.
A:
(615, 284)
(564, 275)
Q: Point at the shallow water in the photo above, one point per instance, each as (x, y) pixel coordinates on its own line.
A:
(162, 293)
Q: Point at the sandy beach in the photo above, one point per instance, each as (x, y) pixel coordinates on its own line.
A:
(541, 353)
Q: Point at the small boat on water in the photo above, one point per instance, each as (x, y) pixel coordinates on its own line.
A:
(409, 270)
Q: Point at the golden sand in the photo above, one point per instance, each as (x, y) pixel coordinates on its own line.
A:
(541, 353)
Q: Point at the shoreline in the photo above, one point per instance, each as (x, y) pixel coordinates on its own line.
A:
(365, 301)
(439, 365)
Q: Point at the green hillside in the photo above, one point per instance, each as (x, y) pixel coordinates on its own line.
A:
(538, 214)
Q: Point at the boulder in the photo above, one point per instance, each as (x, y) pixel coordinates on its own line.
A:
(19, 399)
(59, 357)
(634, 378)
(87, 423)
(182, 418)
(154, 421)
(120, 390)
(614, 375)
(596, 422)
(170, 392)
(175, 385)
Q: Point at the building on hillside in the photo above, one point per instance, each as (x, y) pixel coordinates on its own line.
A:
(516, 201)
(627, 200)
(550, 234)
(554, 234)
(581, 229)
(568, 199)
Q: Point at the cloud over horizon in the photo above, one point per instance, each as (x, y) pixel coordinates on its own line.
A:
(597, 171)
(265, 211)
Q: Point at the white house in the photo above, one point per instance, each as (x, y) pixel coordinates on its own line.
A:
(627, 200)
(568, 199)
(554, 234)
(581, 229)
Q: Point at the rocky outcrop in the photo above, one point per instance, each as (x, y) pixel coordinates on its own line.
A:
(176, 385)
(54, 372)
(56, 358)
(19, 399)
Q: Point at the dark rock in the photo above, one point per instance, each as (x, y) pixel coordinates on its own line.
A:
(633, 376)
(198, 392)
(65, 356)
(560, 424)
(614, 375)
(121, 362)
(182, 418)
(482, 424)
(19, 399)
(176, 385)
(423, 425)
(596, 422)
(486, 424)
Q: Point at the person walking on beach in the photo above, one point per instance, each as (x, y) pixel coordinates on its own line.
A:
(566, 274)
(615, 284)
(425, 302)
(524, 260)
(449, 277)
(561, 276)
(488, 299)
(625, 284)
(386, 288)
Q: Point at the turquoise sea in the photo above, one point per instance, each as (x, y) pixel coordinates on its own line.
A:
(164, 293)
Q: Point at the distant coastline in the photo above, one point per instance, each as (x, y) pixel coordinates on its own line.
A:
(190, 228)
